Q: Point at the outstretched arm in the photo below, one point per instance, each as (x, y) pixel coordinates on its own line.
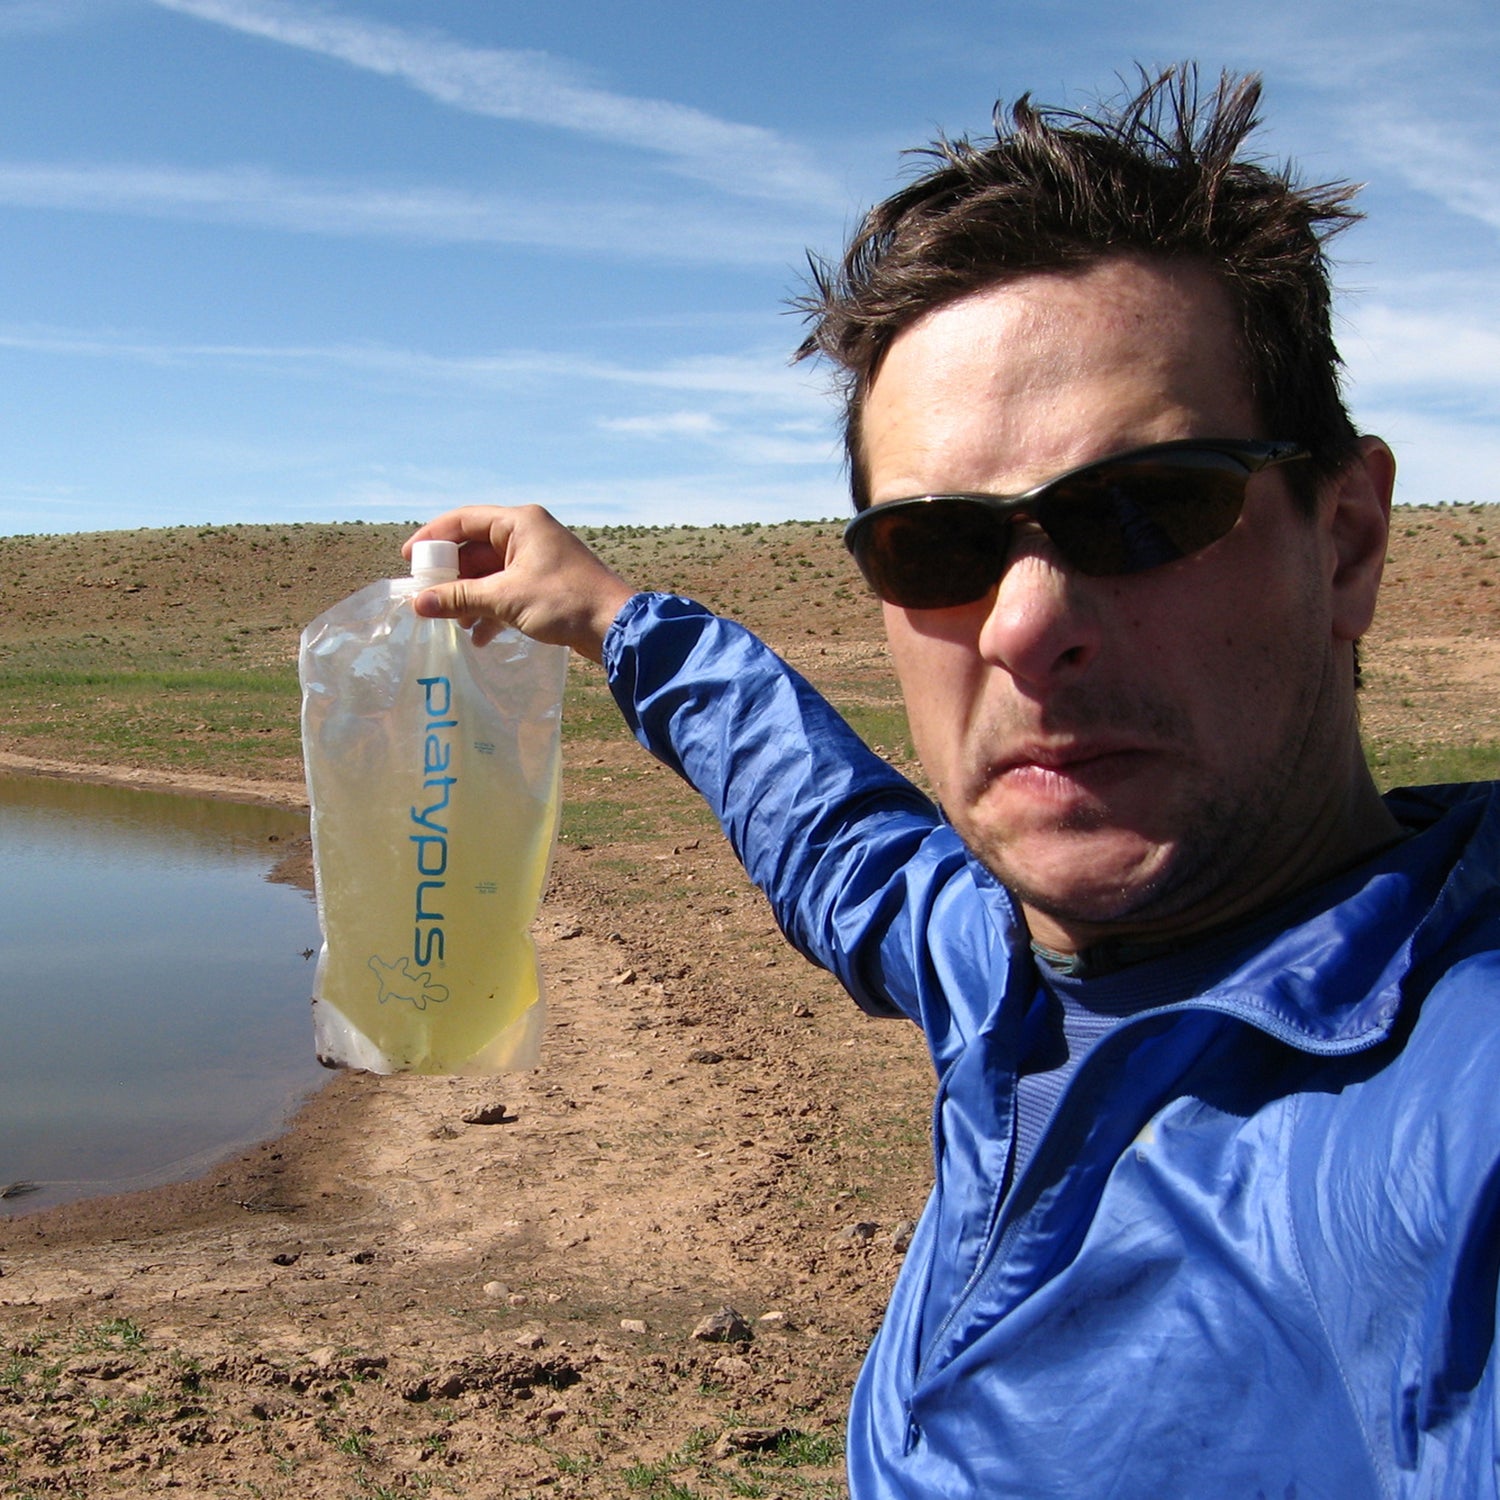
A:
(521, 568)
(851, 855)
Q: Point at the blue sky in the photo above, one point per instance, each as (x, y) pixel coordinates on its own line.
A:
(277, 260)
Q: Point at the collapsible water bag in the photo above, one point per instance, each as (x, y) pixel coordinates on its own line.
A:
(433, 773)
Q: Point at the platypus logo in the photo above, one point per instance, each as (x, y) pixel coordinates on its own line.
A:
(398, 982)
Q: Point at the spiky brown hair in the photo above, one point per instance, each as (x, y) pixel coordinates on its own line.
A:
(1161, 174)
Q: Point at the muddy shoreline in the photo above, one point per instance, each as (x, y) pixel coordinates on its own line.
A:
(270, 792)
(209, 1195)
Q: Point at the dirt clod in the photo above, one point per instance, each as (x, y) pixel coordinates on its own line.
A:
(723, 1327)
(487, 1114)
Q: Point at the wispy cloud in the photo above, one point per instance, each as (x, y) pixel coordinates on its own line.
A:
(1410, 102)
(1424, 372)
(735, 435)
(673, 233)
(1438, 459)
(409, 493)
(510, 84)
(761, 379)
(1444, 355)
(693, 499)
(672, 424)
(1444, 162)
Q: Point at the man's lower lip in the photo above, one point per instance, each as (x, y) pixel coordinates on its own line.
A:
(1072, 777)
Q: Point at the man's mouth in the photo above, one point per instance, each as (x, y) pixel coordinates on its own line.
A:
(1068, 769)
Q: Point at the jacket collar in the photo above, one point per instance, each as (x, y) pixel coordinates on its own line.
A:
(1324, 971)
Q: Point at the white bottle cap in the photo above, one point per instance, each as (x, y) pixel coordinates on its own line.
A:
(434, 557)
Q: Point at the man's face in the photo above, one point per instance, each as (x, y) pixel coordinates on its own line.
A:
(1148, 753)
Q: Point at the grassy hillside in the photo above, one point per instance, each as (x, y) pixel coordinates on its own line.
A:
(176, 649)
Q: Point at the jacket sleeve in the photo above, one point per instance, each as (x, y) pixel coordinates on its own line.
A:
(857, 863)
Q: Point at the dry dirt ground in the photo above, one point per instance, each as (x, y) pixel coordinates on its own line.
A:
(442, 1287)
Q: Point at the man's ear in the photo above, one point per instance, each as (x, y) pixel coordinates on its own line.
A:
(1356, 512)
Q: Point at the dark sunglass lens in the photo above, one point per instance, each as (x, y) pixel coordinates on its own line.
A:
(1125, 518)
(933, 555)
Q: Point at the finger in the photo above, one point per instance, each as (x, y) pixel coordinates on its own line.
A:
(481, 531)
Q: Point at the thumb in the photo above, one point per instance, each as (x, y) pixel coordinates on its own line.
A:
(468, 599)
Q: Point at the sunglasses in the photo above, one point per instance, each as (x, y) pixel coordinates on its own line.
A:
(1121, 514)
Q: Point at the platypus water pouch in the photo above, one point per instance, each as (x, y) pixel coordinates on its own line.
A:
(433, 771)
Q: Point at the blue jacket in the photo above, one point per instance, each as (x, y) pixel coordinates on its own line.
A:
(1255, 1252)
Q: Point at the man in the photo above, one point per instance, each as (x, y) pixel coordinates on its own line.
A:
(1217, 1205)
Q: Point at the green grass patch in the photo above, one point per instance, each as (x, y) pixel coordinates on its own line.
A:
(184, 681)
(881, 726)
(590, 712)
(1399, 764)
(769, 1472)
(797, 1450)
(648, 1480)
(621, 804)
(113, 1335)
(601, 820)
(212, 718)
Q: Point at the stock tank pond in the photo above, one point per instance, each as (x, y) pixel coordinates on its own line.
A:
(154, 987)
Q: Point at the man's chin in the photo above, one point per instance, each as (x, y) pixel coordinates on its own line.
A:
(1085, 881)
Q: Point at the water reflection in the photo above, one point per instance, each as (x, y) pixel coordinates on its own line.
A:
(153, 985)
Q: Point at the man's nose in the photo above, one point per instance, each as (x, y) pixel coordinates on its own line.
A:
(1043, 625)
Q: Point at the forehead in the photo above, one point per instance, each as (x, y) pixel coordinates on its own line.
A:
(1037, 374)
